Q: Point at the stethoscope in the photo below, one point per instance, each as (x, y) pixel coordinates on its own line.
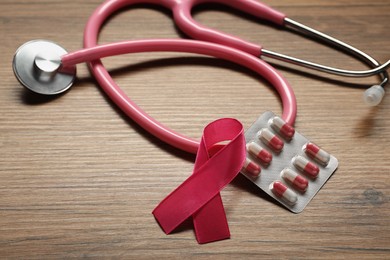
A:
(46, 68)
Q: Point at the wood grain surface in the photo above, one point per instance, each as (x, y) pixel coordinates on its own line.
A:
(78, 179)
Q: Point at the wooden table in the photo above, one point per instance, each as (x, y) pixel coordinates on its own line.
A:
(80, 179)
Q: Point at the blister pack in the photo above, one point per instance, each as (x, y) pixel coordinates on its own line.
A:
(284, 163)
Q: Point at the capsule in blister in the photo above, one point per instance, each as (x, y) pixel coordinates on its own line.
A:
(271, 139)
(304, 165)
(282, 191)
(317, 153)
(299, 182)
(251, 167)
(262, 154)
(280, 126)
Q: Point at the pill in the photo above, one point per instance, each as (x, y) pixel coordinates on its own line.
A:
(281, 191)
(271, 140)
(251, 167)
(280, 126)
(262, 154)
(295, 179)
(304, 165)
(317, 153)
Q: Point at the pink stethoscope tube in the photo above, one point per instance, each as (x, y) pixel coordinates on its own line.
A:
(93, 52)
(182, 15)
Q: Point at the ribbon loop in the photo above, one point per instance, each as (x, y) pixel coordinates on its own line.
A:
(198, 196)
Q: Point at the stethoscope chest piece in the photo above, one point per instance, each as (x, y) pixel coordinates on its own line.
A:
(37, 65)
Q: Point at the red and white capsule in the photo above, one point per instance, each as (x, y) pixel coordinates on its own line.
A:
(299, 182)
(282, 191)
(280, 126)
(271, 139)
(317, 153)
(251, 167)
(262, 154)
(304, 165)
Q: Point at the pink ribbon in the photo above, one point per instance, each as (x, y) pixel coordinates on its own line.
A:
(216, 165)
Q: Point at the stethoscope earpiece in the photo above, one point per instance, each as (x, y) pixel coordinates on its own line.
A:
(373, 95)
(37, 66)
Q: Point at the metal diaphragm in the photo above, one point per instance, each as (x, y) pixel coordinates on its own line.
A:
(37, 66)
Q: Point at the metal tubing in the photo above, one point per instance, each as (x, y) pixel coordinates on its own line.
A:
(376, 67)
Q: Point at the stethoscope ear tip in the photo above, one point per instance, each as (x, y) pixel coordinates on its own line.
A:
(37, 66)
(374, 95)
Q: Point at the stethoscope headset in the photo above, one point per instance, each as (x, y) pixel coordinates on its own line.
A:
(46, 68)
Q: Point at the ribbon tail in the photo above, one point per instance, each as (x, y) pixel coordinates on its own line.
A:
(210, 222)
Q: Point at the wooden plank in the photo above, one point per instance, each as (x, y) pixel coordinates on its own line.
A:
(80, 179)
